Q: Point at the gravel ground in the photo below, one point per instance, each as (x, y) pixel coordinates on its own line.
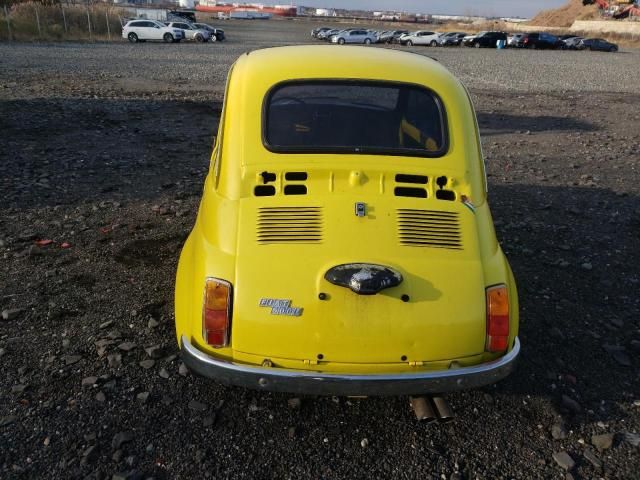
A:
(103, 150)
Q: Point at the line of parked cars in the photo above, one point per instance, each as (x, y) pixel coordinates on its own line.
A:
(543, 40)
(141, 30)
(488, 39)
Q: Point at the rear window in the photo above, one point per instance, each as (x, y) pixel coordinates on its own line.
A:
(354, 117)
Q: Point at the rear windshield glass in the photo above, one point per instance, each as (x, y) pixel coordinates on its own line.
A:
(354, 117)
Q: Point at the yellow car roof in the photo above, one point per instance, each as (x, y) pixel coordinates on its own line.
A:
(330, 61)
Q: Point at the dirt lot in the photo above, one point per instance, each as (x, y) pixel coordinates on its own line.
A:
(103, 151)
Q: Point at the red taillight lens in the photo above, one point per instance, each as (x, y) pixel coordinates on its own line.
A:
(497, 318)
(216, 312)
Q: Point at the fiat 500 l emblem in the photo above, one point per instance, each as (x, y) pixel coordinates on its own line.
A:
(361, 209)
(281, 307)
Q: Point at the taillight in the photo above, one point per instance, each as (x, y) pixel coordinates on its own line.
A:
(216, 312)
(497, 318)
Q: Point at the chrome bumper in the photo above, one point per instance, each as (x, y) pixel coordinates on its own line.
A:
(315, 383)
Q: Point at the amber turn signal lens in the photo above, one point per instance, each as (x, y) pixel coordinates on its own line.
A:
(216, 312)
(497, 318)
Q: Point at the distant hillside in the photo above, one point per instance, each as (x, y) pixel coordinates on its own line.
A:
(565, 15)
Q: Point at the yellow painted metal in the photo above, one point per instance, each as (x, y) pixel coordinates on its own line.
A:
(444, 318)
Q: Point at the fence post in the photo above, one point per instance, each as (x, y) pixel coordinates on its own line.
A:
(6, 16)
(106, 15)
(64, 19)
(38, 22)
(89, 23)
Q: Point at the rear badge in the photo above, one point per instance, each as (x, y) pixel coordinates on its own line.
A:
(281, 307)
(361, 209)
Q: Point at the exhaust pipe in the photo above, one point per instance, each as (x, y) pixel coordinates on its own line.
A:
(423, 409)
(445, 414)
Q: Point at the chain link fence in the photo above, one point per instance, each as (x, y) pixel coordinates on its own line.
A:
(38, 21)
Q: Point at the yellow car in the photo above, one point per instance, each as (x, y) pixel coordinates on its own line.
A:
(344, 244)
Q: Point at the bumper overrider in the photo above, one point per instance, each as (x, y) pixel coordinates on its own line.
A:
(316, 383)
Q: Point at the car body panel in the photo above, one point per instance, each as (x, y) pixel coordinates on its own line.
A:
(442, 320)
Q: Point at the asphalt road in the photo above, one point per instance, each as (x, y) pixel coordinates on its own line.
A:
(103, 150)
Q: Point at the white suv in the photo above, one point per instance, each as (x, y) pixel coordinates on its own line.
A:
(142, 30)
(191, 32)
(421, 37)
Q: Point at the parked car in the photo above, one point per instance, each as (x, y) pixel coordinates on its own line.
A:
(354, 36)
(540, 40)
(571, 43)
(391, 36)
(597, 44)
(421, 37)
(190, 31)
(513, 40)
(343, 243)
(216, 34)
(485, 39)
(451, 39)
(326, 34)
(143, 30)
(316, 31)
(397, 34)
(384, 36)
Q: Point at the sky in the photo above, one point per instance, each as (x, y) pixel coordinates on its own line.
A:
(498, 8)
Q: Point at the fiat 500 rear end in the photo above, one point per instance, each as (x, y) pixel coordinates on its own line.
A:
(344, 243)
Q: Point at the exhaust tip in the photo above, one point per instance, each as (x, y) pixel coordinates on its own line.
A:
(444, 411)
(423, 409)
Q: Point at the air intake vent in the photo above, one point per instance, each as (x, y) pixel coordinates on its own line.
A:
(289, 225)
(429, 228)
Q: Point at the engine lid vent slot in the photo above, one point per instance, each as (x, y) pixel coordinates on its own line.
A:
(289, 225)
(264, 191)
(295, 176)
(413, 192)
(295, 189)
(407, 178)
(449, 195)
(429, 228)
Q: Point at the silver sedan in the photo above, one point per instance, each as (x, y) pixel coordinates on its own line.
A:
(354, 36)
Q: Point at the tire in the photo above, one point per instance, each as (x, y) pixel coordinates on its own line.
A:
(612, 49)
(213, 38)
(409, 43)
(367, 41)
(476, 45)
(133, 38)
(168, 38)
(199, 38)
(433, 43)
(341, 41)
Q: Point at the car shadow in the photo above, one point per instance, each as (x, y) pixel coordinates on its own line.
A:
(572, 250)
(499, 123)
(64, 151)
